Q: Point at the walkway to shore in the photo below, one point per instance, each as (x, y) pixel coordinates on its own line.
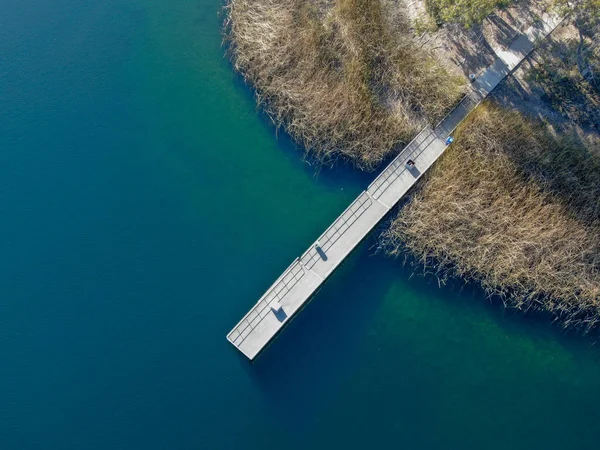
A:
(305, 275)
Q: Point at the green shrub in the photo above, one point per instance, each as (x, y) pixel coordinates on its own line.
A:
(465, 12)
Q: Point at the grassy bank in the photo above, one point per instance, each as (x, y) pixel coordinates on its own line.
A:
(342, 77)
(515, 208)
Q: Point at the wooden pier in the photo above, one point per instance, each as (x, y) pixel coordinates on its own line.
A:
(307, 273)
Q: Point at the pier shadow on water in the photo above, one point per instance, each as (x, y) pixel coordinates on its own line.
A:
(412, 360)
(301, 365)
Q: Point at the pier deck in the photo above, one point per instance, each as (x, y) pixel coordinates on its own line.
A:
(307, 273)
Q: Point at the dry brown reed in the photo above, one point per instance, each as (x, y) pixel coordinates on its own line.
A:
(343, 77)
(516, 209)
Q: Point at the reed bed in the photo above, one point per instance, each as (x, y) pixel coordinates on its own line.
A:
(515, 209)
(342, 77)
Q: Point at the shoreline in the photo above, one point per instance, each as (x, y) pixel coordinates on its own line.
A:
(281, 121)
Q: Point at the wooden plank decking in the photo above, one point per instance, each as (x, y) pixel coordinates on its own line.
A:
(305, 275)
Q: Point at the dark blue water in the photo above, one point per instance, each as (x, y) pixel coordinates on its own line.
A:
(146, 205)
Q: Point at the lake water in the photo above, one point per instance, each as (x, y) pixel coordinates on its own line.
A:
(146, 205)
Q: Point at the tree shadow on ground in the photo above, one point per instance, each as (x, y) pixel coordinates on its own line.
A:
(475, 53)
(504, 34)
(548, 86)
(567, 168)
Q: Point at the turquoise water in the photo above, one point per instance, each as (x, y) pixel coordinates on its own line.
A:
(146, 205)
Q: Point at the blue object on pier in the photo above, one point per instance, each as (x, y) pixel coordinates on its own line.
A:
(450, 140)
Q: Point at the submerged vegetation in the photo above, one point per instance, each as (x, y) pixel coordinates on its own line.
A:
(464, 12)
(342, 77)
(515, 208)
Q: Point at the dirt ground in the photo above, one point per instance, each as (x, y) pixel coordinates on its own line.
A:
(520, 91)
(468, 51)
(465, 51)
